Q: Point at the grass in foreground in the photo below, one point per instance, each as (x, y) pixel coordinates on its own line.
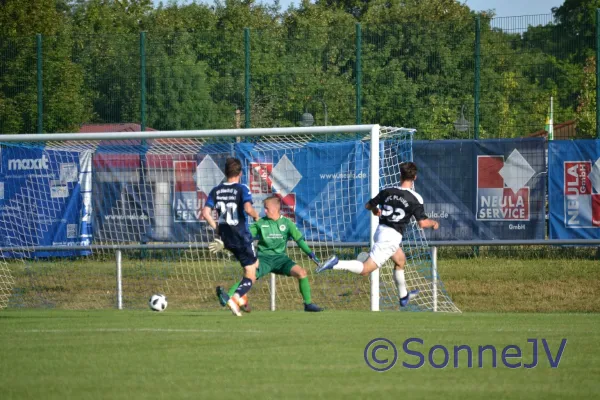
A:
(139, 354)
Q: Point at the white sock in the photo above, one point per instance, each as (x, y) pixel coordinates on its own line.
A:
(400, 282)
(354, 266)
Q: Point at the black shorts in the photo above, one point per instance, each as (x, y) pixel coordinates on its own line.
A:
(245, 255)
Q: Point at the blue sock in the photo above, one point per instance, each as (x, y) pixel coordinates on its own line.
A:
(245, 286)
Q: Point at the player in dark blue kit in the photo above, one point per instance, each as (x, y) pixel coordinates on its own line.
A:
(233, 201)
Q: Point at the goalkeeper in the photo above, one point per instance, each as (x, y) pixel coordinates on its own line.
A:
(273, 233)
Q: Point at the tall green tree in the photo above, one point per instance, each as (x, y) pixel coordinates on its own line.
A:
(64, 103)
(577, 18)
(562, 50)
(313, 70)
(417, 62)
(178, 75)
(356, 8)
(586, 107)
(107, 47)
(263, 22)
(418, 65)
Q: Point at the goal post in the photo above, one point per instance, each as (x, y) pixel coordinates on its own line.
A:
(374, 222)
(74, 205)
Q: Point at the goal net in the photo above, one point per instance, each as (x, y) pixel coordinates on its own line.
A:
(104, 220)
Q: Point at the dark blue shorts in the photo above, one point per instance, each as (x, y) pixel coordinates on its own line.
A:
(245, 255)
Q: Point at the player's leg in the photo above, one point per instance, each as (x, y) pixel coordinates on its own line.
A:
(248, 279)
(264, 268)
(232, 289)
(405, 296)
(237, 301)
(386, 244)
(299, 273)
(354, 266)
(224, 297)
(249, 261)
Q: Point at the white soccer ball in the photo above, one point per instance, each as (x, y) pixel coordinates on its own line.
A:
(158, 302)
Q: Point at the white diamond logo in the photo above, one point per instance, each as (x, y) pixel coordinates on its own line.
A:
(595, 176)
(208, 175)
(285, 176)
(516, 171)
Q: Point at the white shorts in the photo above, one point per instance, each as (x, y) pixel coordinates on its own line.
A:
(386, 242)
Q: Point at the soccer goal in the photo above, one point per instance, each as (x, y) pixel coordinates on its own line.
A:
(103, 220)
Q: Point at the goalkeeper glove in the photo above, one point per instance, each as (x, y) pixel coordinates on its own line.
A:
(216, 246)
(313, 257)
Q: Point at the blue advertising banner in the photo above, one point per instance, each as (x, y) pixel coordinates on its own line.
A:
(323, 186)
(483, 190)
(120, 216)
(574, 189)
(486, 190)
(45, 199)
(122, 212)
(142, 198)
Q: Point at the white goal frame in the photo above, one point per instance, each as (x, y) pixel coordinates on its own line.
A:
(370, 130)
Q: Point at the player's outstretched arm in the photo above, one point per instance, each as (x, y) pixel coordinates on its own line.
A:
(306, 249)
(429, 223)
(295, 233)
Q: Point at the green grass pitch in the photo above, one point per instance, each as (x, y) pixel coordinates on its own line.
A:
(52, 354)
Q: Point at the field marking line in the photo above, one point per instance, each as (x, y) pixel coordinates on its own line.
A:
(161, 330)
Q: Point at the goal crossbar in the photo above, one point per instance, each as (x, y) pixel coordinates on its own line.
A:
(316, 130)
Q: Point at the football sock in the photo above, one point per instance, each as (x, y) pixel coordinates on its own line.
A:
(233, 289)
(354, 266)
(305, 289)
(400, 282)
(245, 286)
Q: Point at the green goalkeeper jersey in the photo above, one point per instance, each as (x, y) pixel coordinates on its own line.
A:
(274, 235)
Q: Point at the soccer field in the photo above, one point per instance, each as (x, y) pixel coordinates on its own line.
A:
(113, 354)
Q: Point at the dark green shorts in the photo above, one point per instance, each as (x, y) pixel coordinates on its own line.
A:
(277, 264)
